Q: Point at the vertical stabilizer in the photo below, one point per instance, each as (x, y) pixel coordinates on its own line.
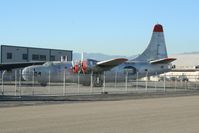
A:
(156, 48)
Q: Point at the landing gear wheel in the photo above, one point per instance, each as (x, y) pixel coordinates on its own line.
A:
(98, 82)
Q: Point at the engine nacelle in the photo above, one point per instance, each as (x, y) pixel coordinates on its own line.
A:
(87, 65)
(76, 68)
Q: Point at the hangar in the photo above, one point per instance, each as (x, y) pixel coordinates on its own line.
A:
(11, 54)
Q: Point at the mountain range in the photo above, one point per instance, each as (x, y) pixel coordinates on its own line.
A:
(98, 56)
(183, 59)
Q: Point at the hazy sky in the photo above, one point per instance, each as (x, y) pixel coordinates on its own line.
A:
(116, 27)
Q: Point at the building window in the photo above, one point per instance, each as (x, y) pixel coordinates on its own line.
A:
(52, 58)
(25, 56)
(42, 57)
(35, 57)
(9, 55)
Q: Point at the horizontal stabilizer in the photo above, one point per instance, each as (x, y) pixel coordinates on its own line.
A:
(163, 61)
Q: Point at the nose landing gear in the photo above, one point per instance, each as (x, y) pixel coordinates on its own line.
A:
(98, 82)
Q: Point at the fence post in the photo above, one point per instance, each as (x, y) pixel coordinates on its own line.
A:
(196, 82)
(78, 82)
(175, 84)
(146, 83)
(104, 84)
(64, 86)
(33, 83)
(185, 82)
(156, 75)
(137, 80)
(115, 79)
(91, 84)
(49, 84)
(20, 82)
(2, 82)
(188, 83)
(126, 81)
(15, 82)
(181, 84)
(164, 82)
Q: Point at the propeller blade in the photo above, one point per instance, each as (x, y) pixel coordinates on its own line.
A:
(82, 57)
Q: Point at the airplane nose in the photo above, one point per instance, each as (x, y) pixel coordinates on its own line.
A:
(27, 73)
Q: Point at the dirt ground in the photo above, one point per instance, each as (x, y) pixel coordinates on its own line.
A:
(157, 115)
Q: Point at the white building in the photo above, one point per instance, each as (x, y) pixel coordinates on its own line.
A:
(185, 66)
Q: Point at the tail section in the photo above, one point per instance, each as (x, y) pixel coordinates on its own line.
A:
(156, 48)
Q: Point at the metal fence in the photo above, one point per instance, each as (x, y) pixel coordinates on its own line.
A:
(158, 83)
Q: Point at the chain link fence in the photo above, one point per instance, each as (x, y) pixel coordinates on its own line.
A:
(64, 84)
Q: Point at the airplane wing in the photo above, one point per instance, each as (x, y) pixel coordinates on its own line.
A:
(10, 66)
(108, 64)
(163, 61)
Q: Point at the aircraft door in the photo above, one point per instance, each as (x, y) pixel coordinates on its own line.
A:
(130, 70)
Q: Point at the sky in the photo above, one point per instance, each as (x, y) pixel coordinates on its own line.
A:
(114, 27)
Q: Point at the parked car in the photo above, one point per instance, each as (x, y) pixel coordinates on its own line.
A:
(183, 78)
(173, 78)
(162, 78)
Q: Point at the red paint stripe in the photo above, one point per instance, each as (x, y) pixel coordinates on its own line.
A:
(158, 28)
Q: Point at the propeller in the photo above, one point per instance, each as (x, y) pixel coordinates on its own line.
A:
(75, 67)
(82, 57)
(83, 64)
(80, 66)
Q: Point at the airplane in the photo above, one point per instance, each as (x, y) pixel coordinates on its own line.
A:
(154, 60)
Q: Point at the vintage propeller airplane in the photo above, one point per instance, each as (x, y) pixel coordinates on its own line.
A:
(153, 60)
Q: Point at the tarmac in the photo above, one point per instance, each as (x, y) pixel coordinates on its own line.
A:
(114, 110)
(152, 115)
(30, 100)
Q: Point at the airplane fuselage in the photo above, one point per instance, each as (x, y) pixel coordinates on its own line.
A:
(54, 72)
